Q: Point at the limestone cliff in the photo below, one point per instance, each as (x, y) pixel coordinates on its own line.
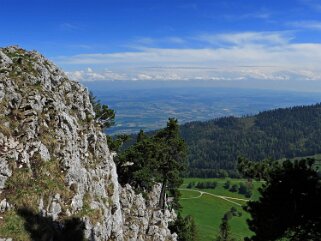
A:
(54, 158)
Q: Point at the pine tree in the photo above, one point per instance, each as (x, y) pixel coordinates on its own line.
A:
(225, 230)
(103, 114)
(289, 206)
(137, 165)
(171, 159)
(185, 228)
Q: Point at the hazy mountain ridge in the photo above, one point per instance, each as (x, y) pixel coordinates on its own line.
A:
(148, 106)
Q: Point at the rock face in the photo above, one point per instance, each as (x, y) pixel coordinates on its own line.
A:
(52, 149)
(142, 222)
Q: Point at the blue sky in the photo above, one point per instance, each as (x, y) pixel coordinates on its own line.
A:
(216, 40)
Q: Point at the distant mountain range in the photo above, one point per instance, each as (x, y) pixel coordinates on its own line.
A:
(141, 106)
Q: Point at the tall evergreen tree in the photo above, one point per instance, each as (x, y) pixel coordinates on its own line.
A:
(171, 159)
(115, 143)
(257, 170)
(289, 206)
(225, 230)
(140, 136)
(185, 228)
(160, 158)
(137, 165)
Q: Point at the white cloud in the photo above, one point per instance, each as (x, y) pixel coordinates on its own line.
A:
(313, 4)
(90, 75)
(248, 38)
(263, 15)
(176, 40)
(314, 25)
(69, 26)
(148, 41)
(248, 55)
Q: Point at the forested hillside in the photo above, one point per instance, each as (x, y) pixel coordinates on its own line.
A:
(279, 133)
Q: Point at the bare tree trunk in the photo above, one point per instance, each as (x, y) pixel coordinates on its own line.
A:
(162, 195)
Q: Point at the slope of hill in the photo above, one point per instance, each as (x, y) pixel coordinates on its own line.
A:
(276, 134)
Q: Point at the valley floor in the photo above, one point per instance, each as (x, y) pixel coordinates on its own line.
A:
(208, 206)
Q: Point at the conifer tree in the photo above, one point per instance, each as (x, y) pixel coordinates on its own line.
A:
(225, 230)
(185, 228)
(171, 158)
(103, 114)
(289, 206)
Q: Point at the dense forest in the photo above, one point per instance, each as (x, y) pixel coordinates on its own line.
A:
(282, 133)
(215, 145)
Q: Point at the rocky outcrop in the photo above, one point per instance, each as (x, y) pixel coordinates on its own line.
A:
(52, 149)
(142, 222)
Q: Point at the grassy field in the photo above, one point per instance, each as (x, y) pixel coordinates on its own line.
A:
(208, 209)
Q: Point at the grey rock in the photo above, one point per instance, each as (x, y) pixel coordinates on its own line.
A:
(50, 121)
(4, 206)
(2, 93)
(55, 210)
(5, 61)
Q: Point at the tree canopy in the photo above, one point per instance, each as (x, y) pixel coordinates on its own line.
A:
(215, 145)
(257, 170)
(171, 158)
(224, 233)
(103, 114)
(289, 206)
(158, 158)
(185, 228)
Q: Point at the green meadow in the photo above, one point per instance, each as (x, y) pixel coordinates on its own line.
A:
(209, 207)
